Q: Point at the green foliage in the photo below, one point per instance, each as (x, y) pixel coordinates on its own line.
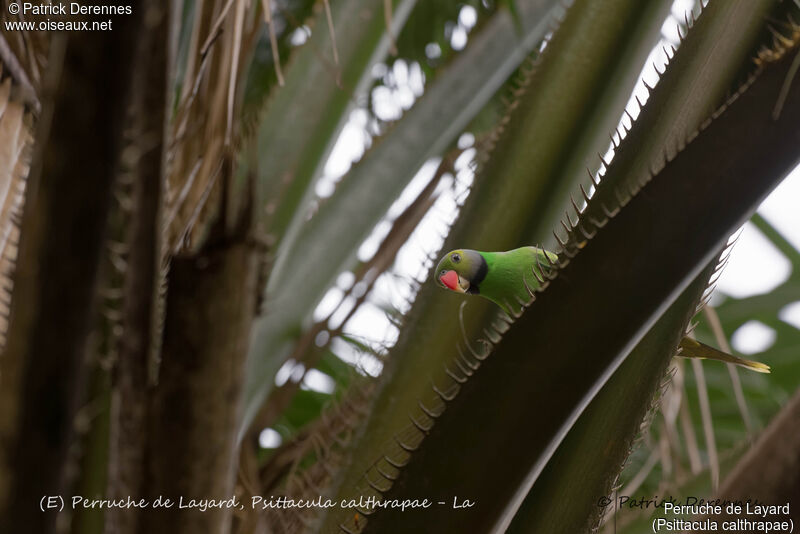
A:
(432, 22)
(366, 192)
(532, 417)
(519, 375)
(765, 394)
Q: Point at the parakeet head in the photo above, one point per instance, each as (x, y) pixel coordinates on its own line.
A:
(461, 270)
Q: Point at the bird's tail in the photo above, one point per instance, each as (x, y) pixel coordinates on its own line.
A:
(695, 349)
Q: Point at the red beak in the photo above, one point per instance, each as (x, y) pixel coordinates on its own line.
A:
(450, 279)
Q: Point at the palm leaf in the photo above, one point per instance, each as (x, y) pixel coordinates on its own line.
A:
(662, 271)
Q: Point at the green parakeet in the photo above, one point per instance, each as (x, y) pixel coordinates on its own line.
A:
(504, 278)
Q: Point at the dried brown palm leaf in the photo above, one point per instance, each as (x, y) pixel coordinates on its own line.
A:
(23, 52)
(15, 141)
(273, 40)
(206, 127)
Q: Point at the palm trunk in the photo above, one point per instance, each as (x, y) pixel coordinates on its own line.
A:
(62, 230)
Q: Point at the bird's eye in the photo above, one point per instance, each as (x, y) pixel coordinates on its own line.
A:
(442, 272)
(456, 258)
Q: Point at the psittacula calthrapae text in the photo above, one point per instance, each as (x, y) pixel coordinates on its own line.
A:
(506, 277)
